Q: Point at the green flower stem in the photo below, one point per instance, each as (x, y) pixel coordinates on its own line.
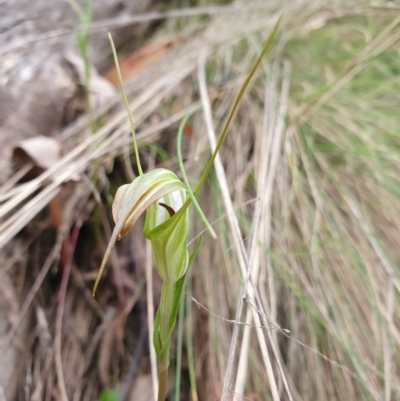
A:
(179, 349)
(163, 379)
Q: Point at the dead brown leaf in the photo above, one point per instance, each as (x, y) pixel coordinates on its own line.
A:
(43, 151)
(141, 59)
(100, 90)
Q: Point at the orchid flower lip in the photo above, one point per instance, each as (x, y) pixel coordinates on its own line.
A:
(170, 210)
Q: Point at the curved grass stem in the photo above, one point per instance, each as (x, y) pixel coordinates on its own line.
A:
(232, 112)
(184, 177)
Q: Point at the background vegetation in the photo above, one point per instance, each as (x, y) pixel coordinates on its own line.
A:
(306, 206)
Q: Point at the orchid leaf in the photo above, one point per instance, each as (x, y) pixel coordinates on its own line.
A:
(165, 318)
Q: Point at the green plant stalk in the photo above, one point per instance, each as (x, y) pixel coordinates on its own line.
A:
(84, 52)
(126, 103)
(165, 320)
(166, 309)
(83, 41)
(228, 121)
(184, 177)
(239, 96)
(189, 346)
(182, 210)
(162, 380)
(179, 349)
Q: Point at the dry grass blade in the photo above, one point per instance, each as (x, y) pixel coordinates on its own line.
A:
(150, 310)
(76, 161)
(60, 312)
(261, 224)
(235, 232)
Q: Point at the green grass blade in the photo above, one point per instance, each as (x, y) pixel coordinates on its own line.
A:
(185, 180)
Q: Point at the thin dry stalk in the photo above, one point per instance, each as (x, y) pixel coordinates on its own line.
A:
(242, 368)
(267, 189)
(237, 238)
(269, 185)
(53, 255)
(60, 312)
(269, 155)
(387, 349)
(150, 310)
(265, 150)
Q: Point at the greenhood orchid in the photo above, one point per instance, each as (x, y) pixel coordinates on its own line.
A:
(166, 200)
(169, 241)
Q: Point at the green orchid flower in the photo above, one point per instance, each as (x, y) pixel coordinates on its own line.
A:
(167, 235)
(163, 196)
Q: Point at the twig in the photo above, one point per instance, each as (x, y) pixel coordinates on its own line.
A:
(268, 327)
(60, 311)
(285, 332)
(26, 213)
(133, 366)
(55, 252)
